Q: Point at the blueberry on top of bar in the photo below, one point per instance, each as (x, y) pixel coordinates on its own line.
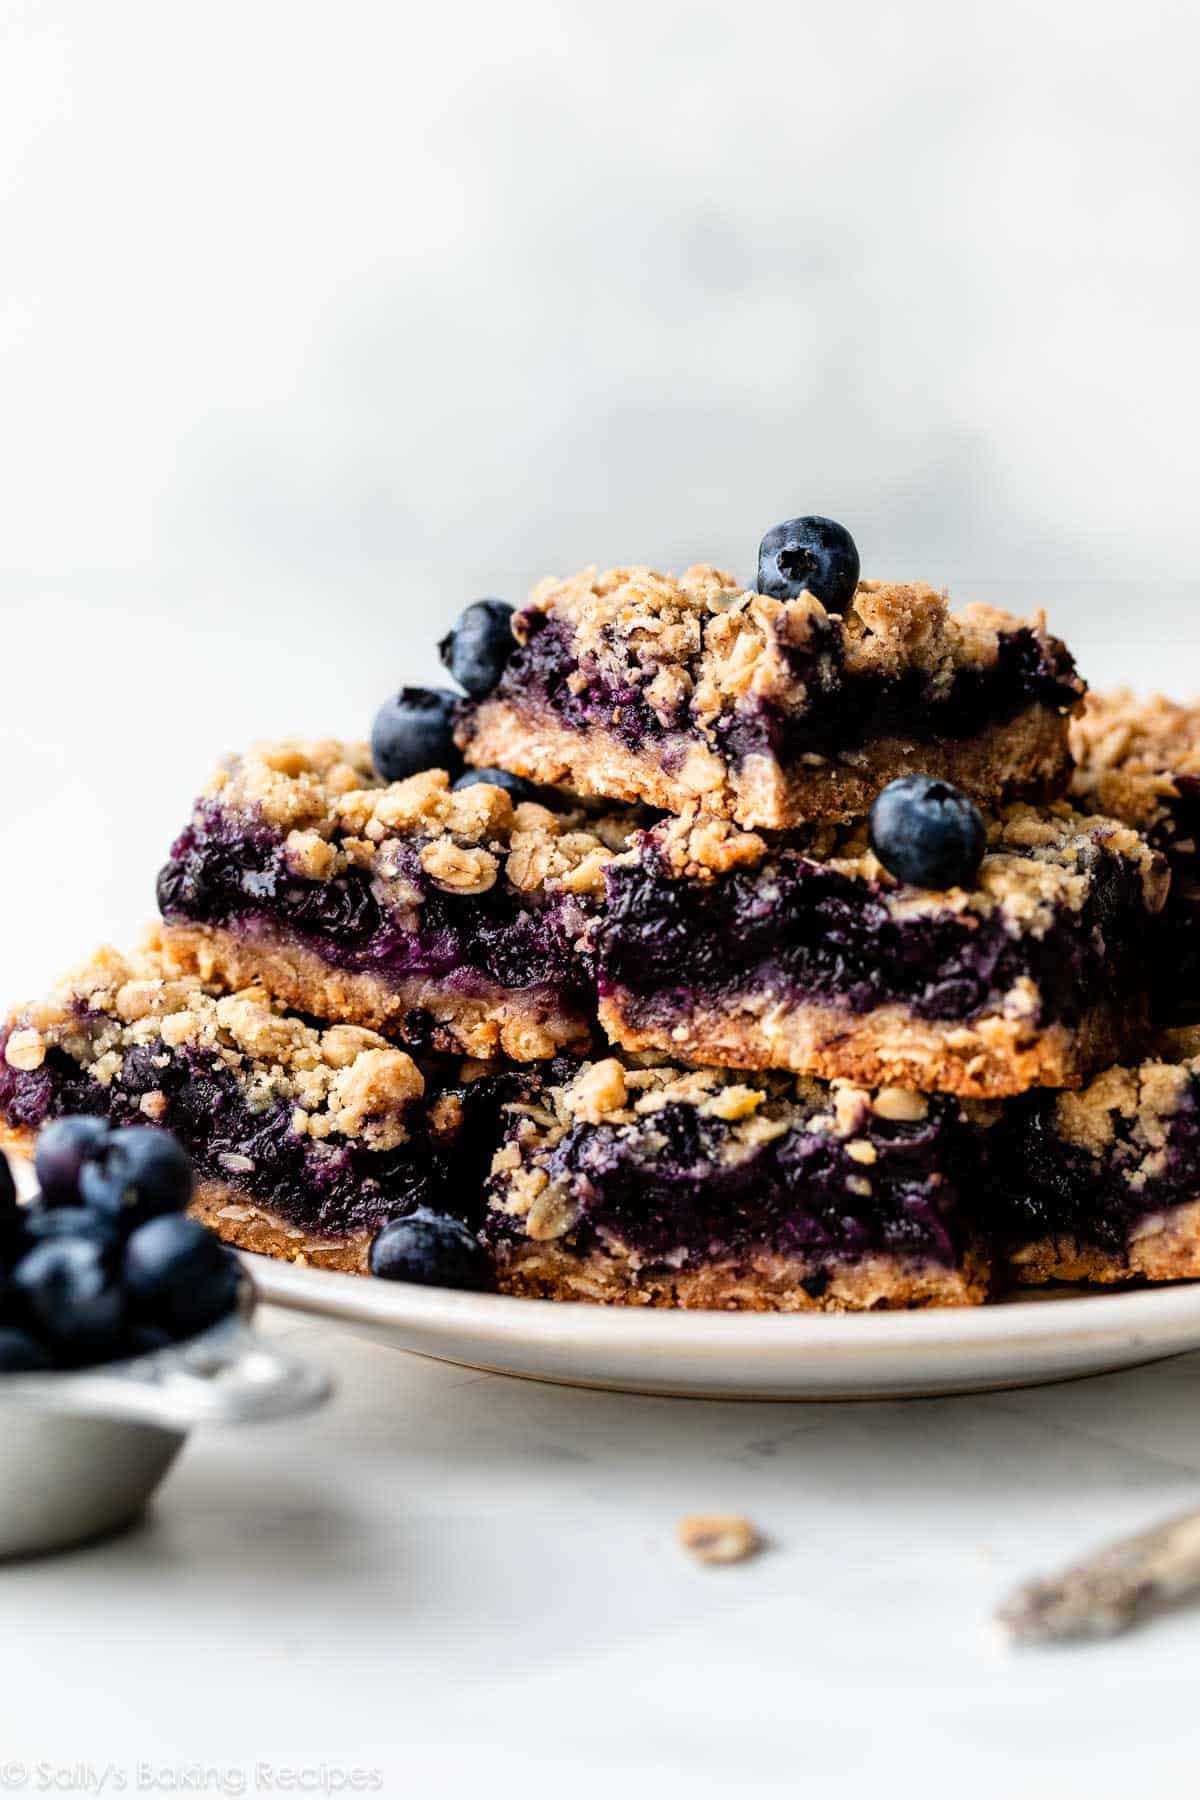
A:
(772, 711)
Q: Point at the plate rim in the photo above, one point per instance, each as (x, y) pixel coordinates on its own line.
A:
(1166, 1311)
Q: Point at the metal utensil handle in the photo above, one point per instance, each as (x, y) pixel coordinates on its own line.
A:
(233, 1379)
(226, 1377)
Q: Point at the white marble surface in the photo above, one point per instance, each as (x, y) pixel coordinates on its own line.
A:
(470, 1584)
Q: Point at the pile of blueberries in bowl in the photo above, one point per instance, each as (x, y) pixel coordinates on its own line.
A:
(104, 1264)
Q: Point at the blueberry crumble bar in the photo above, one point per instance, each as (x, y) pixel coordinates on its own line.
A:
(1139, 760)
(1104, 1185)
(697, 1188)
(723, 946)
(902, 894)
(770, 708)
(305, 1140)
(443, 916)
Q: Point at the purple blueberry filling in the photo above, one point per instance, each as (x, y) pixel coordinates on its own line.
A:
(809, 931)
(226, 869)
(326, 1188)
(799, 1194)
(1048, 1187)
(841, 712)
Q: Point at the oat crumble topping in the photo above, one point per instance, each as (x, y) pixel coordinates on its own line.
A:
(704, 641)
(1034, 868)
(334, 812)
(1135, 1103)
(1130, 751)
(340, 1082)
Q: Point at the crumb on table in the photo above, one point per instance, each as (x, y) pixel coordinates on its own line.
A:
(718, 1537)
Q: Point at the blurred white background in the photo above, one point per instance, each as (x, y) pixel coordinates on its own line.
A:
(318, 321)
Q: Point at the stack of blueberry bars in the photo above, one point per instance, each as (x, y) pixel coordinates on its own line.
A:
(806, 945)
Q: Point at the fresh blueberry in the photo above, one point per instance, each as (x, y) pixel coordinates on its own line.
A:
(927, 832)
(813, 555)
(179, 1276)
(8, 1189)
(42, 1222)
(21, 1354)
(137, 1174)
(62, 1150)
(413, 731)
(11, 1215)
(431, 1248)
(476, 651)
(143, 1340)
(71, 1297)
(516, 785)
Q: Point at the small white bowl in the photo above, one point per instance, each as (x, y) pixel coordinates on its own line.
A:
(84, 1449)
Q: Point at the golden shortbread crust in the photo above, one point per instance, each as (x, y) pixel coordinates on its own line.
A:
(1166, 1248)
(764, 1282)
(524, 1025)
(1023, 757)
(988, 1059)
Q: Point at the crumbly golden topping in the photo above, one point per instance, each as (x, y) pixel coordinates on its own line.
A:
(336, 813)
(615, 1095)
(1129, 752)
(341, 1082)
(1039, 862)
(702, 643)
(1129, 1109)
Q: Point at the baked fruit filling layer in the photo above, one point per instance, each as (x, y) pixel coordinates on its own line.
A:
(447, 916)
(305, 1140)
(771, 711)
(1104, 1184)
(720, 945)
(646, 1186)
(696, 1188)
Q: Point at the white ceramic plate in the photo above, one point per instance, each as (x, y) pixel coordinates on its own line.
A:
(755, 1356)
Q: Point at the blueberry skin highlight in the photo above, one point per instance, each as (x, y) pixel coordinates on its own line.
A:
(431, 1249)
(927, 832)
(45, 1222)
(71, 1298)
(178, 1276)
(138, 1174)
(811, 555)
(479, 646)
(414, 731)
